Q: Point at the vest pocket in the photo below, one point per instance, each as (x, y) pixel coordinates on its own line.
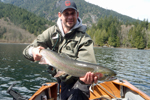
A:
(70, 48)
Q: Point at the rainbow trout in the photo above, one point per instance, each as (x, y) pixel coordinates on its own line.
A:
(74, 67)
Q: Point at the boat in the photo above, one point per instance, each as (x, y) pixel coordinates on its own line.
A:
(109, 90)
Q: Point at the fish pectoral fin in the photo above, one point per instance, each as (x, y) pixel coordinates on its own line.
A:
(42, 61)
(45, 61)
(59, 73)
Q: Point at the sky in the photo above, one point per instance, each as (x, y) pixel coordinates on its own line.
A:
(138, 9)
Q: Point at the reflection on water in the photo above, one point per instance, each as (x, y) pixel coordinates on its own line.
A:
(130, 64)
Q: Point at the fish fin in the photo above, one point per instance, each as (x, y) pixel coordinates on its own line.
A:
(42, 61)
(59, 73)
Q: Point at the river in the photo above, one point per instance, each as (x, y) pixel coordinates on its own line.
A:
(130, 64)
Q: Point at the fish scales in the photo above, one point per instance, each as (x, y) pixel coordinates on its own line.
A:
(63, 63)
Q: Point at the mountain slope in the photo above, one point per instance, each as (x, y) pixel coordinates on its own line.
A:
(23, 18)
(48, 8)
(13, 33)
(18, 25)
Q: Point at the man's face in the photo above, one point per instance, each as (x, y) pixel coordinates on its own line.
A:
(69, 18)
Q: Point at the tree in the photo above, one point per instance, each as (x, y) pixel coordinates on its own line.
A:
(141, 43)
(111, 41)
(148, 42)
(104, 36)
(118, 42)
(98, 38)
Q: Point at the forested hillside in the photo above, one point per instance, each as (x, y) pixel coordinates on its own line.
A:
(48, 9)
(23, 19)
(111, 32)
(111, 29)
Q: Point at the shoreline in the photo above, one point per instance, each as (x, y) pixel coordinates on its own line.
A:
(93, 46)
(122, 48)
(12, 43)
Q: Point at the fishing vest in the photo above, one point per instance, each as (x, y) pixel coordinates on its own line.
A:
(68, 45)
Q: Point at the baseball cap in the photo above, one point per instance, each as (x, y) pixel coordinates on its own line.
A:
(67, 4)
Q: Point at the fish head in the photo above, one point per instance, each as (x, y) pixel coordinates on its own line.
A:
(106, 75)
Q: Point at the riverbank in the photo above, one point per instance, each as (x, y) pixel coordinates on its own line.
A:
(121, 47)
(94, 45)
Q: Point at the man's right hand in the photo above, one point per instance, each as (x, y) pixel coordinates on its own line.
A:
(36, 53)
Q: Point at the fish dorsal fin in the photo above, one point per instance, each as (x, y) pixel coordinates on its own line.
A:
(59, 73)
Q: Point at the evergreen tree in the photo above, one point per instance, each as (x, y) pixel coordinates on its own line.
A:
(117, 42)
(141, 43)
(98, 38)
(148, 42)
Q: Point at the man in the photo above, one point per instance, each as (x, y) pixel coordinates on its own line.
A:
(67, 36)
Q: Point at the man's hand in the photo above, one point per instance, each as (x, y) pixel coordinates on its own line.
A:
(36, 53)
(89, 78)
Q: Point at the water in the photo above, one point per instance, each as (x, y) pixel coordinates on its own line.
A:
(130, 64)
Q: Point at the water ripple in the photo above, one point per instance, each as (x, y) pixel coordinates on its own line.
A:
(130, 64)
